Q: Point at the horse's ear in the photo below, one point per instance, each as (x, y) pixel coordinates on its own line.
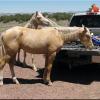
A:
(36, 13)
(85, 29)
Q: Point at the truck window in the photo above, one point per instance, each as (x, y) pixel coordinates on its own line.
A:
(87, 20)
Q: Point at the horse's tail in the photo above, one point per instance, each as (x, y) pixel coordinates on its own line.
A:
(2, 50)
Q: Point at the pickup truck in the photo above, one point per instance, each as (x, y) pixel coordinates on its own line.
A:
(75, 53)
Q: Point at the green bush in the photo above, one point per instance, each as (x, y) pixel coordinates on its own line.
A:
(25, 17)
(60, 16)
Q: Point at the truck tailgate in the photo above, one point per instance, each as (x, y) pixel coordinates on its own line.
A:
(80, 49)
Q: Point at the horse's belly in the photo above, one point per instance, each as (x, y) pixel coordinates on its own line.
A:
(35, 50)
(37, 45)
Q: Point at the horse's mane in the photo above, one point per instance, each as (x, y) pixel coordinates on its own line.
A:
(72, 35)
(68, 33)
(53, 24)
(29, 24)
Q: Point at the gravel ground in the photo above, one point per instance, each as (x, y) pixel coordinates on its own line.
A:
(82, 82)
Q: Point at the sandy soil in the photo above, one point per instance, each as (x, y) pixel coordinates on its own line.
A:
(82, 82)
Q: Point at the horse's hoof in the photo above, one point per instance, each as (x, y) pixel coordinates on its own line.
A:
(1, 83)
(49, 83)
(34, 68)
(15, 80)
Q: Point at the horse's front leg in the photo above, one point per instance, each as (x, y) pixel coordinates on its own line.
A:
(48, 66)
(11, 65)
(1, 76)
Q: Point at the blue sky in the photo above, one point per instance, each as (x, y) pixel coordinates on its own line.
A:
(29, 6)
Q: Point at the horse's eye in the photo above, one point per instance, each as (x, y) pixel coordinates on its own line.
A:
(38, 18)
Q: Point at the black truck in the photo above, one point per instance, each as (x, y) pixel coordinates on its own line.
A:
(75, 53)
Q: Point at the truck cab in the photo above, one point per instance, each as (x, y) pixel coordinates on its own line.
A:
(90, 20)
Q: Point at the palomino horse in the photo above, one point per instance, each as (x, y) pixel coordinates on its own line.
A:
(46, 41)
(37, 21)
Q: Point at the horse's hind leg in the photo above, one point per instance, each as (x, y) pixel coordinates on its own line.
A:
(24, 61)
(33, 65)
(11, 65)
(18, 56)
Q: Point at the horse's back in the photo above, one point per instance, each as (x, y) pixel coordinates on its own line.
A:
(38, 36)
(39, 40)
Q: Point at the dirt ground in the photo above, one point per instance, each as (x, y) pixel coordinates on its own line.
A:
(82, 82)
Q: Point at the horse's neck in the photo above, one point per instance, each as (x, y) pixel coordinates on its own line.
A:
(71, 36)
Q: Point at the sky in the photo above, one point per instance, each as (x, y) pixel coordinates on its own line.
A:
(30, 6)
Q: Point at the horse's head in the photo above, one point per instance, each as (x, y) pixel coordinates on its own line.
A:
(85, 38)
(41, 20)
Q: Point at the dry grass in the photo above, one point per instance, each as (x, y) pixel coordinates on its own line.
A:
(5, 26)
